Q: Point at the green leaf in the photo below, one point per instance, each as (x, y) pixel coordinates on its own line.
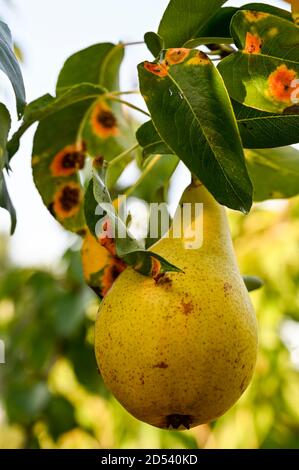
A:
(60, 416)
(155, 176)
(5, 202)
(183, 99)
(260, 129)
(5, 123)
(274, 173)
(98, 64)
(127, 248)
(219, 24)
(9, 65)
(182, 20)
(90, 206)
(154, 43)
(47, 105)
(252, 283)
(263, 74)
(150, 140)
(70, 129)
(263, 7)
(193, 43)
(279, 37)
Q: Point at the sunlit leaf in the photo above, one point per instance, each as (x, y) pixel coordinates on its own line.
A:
(183, 93)
(98, 64)
(263, 74)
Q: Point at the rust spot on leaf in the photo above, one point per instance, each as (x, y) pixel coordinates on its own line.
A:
(67, 200)
(253, 16)
(200, 58)
(280, 83)
(253, 44)
(160, 365)
(111, 273)
(176, 56)
(69, 160)
(187, 307)
(106, 239)
(156, 268)
(160, 70)
(103, 121)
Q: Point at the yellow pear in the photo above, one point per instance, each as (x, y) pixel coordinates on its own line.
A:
(179, 351)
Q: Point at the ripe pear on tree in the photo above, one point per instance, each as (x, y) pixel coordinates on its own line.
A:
(179, 351)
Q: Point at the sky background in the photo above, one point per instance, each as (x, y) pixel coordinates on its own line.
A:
(49, 31)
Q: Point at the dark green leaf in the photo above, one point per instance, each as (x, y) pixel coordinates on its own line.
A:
(5, 202)
(9, 65)
(182, 20)
(154, 43)
(260, 129)
(191, 110)
(274, 173)
(90, 205)
(219, 24)
(5, 123)
(252, 283)
(60, 416)
(263, 73)
(150, 140)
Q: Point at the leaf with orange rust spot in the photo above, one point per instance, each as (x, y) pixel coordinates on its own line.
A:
(100, 268)
(253, 44)
(157, 69)
(116, 234)
(263, 73)
(103, 121)
(67, 200)
(68, 161)
(80, 122)
(182, 106)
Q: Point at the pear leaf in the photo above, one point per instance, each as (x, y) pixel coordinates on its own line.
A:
(274, 172)
(154, 43)
(10, 66)
(182, 91)
(253, 283)
(119, 240)
(182, 20)
(264, 72)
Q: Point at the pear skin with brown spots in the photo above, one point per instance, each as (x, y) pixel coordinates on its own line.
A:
(179, 352)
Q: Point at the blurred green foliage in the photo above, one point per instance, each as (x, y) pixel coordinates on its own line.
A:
(51, 394)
